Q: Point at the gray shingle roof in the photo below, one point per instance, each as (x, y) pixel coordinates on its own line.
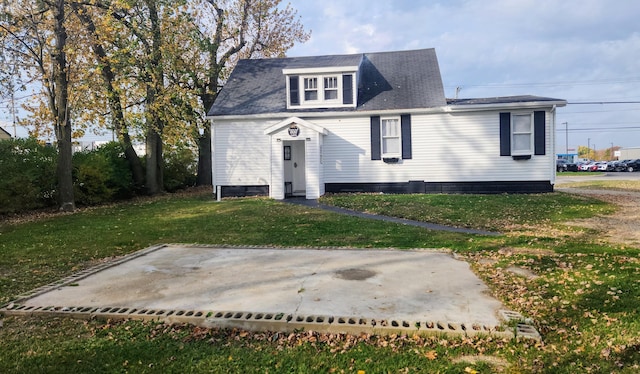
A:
(501, 100)
(386, 80)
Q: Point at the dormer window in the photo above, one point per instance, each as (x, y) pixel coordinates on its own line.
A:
(319, 91)
(320, 88)
(331, 88)
(310, 89)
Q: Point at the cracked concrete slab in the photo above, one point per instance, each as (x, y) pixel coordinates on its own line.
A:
(402, 285)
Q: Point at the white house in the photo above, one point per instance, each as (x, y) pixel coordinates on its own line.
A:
(373, 122)
(4, 134)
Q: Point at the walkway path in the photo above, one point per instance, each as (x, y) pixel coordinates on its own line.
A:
(426, 225)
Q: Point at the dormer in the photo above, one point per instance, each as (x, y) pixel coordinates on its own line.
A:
(326, 87)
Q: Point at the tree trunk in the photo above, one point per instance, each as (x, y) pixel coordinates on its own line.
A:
(61, 111)
(154, 162)
(205, 173)
(137, 171)
(154, 120)
(64, 169)
(205, 167)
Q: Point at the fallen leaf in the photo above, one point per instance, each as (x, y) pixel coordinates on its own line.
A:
(431, 355)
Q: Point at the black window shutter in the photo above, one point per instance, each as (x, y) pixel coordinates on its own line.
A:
(376, 153)
(538, 132)
(294, 95)
(405, 126)
(505, 134)
(347, 89)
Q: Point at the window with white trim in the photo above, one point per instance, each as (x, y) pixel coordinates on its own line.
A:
(321, 90)
(330, 88)
(310, 89)
(328, 92)
(390, 136)
(522, 134)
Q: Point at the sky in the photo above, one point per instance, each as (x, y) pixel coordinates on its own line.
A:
(582, 51)
(576, 50)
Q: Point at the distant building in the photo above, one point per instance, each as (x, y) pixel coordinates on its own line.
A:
(87, 146)
(92, 146)
(631, 153)
(569, 157)
(4, 134)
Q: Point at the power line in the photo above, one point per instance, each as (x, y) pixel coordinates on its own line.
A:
(547, 84)
(600, 111)
(624, 128)
(602, 102)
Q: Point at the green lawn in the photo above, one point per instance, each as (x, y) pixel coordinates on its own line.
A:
(583, 300)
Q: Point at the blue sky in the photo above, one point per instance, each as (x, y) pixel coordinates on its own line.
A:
(577, 50)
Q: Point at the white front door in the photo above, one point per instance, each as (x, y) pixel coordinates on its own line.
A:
(299, 183)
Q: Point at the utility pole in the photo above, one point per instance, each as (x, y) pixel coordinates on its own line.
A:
(13, 112)
(611, 155)
(589, 148)
(566, 138)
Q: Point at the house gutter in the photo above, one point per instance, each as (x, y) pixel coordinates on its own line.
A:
(496, 106)
(441, 109)
(432, 110)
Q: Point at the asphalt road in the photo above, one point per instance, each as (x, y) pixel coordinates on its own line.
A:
(572, 177)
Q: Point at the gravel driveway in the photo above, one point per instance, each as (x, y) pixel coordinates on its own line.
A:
(622, 227)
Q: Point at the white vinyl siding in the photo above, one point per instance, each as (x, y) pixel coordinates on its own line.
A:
(461, 147)
(447, 147)
(242, 156)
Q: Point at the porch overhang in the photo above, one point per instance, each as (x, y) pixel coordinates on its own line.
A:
(273, 129)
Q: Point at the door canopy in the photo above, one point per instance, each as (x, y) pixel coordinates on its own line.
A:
(293, 123)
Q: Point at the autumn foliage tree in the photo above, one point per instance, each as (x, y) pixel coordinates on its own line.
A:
(34, 33)
(146, 69)
(224, 32)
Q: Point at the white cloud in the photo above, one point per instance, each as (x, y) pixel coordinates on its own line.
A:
(585, 50)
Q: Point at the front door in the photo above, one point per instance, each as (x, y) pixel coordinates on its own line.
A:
(297, 164)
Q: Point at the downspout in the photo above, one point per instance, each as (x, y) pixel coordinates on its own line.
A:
(553, 145)
(217, 190)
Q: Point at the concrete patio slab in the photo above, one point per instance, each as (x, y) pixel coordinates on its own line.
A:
(344, 290)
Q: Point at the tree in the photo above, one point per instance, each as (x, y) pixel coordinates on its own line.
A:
(148, 68)
(107, 66)
(143, 45)
(35, 33)
(222, 33)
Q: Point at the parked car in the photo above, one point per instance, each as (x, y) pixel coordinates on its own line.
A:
(591, 166)
(561, 165)
(573, 167)
(601, 166)
(615, 166)
(632, 165)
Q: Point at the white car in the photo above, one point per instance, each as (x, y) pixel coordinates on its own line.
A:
(586, 166)
(602, 166)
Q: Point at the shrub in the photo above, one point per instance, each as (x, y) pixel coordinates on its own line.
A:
(121, 178)
(27, 175)
(179, 169)
(101, 175)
